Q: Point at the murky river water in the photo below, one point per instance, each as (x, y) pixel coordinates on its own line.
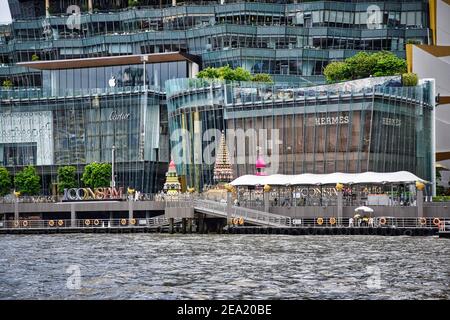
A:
(162, 266)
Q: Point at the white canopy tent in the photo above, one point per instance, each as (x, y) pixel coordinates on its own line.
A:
(400, 177)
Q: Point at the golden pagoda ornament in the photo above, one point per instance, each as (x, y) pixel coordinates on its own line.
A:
(223, 171)
(172, 185)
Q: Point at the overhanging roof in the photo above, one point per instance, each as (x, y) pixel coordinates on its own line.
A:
(328, 179)
(110, 61)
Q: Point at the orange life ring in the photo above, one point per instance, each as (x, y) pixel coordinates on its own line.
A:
(96, 222)
(436, 221)
(235, 221)
(319, 221)
(25, 223)
(423, 221)
(383, 221)
(87, 222)
(241, 221)
(332, 220)
(51, 223)
(133, 221)
(123, 222)
(60, 223)
(16, 223)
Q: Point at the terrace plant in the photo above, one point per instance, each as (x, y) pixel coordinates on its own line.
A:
(410, 79)
(5, 181)
(262, 77)
(97, 175)
(7, 84)
(364, 65)
(27, 181)
(66, 178)
(225, 73)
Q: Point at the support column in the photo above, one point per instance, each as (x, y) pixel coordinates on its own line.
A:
(47, 6)
(171, 227)
(419, 202)
(130, 210)
(266, 195)
(229, 206)
(183, 222)
(90, 6)
(340, 207)
(189, 221)
(16, 208)
(111, 218)
(174, 3)
(73, 216)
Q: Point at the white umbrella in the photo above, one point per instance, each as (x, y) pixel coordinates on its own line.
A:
(364, 208)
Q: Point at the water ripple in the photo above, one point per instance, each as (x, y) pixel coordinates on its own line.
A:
(161, 266)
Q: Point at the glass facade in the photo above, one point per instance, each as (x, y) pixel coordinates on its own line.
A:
(79, 114)
(292, 40)
(366, 125)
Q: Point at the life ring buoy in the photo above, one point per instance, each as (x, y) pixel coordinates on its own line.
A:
(51, 223)
(87, 222)
(60, 223)
(235, 221)
(332, 220)
(319, 221)
(16, 223)
(423, 221)
(383, 221)
(25, 223)
(241, 221)
(132, 221)
(96, 222)
(123, 222)
(436, 221)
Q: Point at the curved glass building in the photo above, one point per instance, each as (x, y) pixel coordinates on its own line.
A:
(372, 124)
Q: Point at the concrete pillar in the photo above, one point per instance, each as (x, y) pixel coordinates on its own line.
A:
(73, 216)
(16, 209)
(419, 203)
(266, 202)
(171, 226)
(47, 6)
(340, 207)
(229, 206)
(130, 209)
(183, 221)
(174, 3)
(189, 221)
(90, 6)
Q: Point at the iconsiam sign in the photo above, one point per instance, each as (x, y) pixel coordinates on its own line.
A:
(85, 194)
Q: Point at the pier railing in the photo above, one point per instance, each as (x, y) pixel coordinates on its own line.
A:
(85, 223)
(250, 215)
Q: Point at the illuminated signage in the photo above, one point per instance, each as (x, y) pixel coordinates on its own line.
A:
(119, 116)
(84, 194)
(324, 121)
(392, 122)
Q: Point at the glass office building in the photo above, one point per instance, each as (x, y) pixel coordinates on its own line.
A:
(291, 40)
(83, 109)
(72, 86)
(372, 124)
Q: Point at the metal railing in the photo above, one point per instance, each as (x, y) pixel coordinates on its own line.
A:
(251, 215)
(85, 223)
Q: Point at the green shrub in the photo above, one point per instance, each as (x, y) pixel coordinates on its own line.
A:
(27, 181)
(262, 77)
(363, 65)
(66, 178)
(97, 175)
(5, 181)
(410, 79)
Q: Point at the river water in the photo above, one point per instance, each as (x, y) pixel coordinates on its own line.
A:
(163, 266)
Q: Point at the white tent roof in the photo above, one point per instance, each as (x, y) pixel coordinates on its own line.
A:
(332, 178)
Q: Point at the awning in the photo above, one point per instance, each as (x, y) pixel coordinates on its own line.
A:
(328, 179)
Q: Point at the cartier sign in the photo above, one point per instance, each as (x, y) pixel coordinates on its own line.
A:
(83, 194)
(119, 116)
